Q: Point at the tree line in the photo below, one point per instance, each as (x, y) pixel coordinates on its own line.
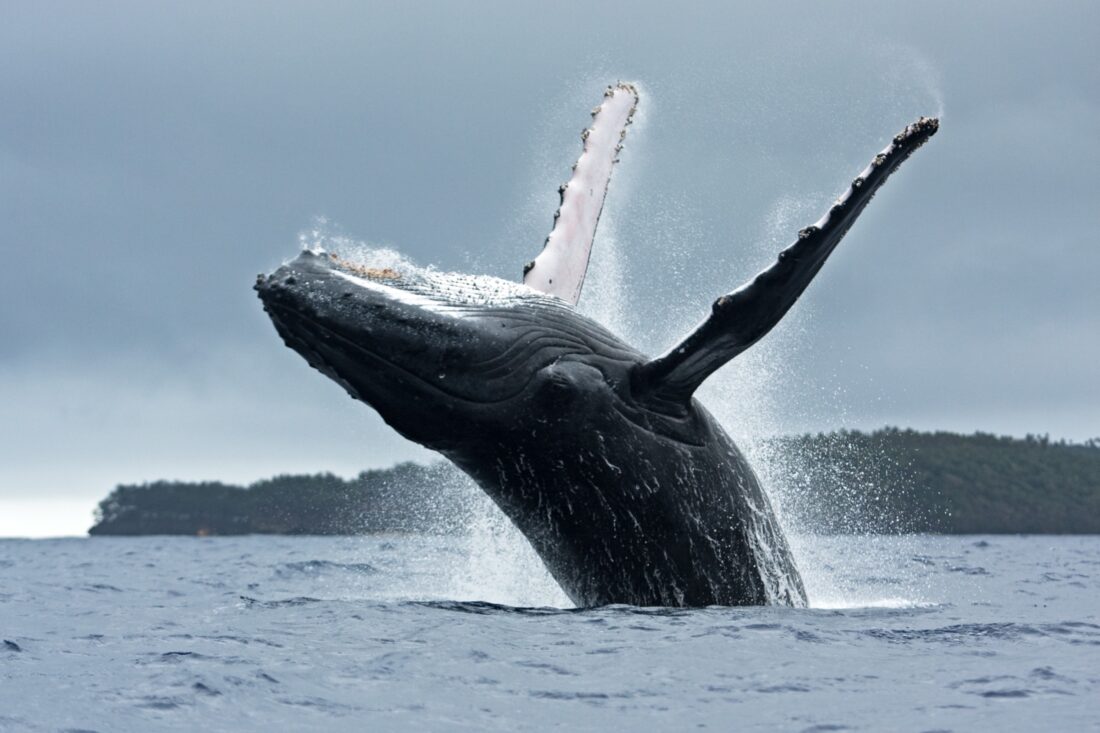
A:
(889, 480)
(405, 498)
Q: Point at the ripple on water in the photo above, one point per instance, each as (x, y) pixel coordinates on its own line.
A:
(314, 568)
(281, 603)
(484, 608)
(279, 643)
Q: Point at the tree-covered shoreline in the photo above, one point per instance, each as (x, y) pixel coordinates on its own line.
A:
(908, 481)
(889, 480)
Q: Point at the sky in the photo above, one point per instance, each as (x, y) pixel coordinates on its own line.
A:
(155, 157)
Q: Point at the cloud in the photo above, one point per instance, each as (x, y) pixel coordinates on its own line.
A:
(153, 160)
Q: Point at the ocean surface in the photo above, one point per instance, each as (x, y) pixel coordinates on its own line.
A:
(419, 633)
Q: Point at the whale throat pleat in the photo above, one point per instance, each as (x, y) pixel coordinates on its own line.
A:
(741, 318)
(561, 266)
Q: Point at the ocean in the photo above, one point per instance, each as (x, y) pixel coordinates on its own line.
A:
(427, 633)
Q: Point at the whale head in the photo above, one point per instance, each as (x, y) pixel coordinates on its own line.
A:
(441, 357)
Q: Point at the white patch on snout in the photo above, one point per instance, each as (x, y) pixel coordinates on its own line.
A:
(402, 296)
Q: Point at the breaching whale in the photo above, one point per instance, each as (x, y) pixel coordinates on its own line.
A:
(623, 483)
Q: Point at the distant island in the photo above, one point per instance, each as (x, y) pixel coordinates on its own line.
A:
(889, 480)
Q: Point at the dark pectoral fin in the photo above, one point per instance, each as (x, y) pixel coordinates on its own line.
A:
(741, 318)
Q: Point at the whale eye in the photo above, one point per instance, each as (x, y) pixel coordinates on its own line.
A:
(568, 381)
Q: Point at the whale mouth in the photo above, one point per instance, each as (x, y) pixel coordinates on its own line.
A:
(312, 339)
(344, 358)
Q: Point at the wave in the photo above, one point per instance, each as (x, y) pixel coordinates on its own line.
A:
(314, 568)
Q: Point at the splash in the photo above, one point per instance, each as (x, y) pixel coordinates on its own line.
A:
(499, 565)
(911, 79)
(604, 298)
(494, 563)
(324, 236)
(364, 259)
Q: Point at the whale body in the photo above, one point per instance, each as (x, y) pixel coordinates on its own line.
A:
(626, 487)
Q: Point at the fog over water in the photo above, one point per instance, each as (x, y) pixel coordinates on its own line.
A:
(153, 160)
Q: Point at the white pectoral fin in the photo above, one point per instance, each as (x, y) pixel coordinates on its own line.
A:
(561, 266)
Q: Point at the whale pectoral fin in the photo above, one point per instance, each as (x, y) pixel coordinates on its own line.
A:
(561, 266)
(743, 317)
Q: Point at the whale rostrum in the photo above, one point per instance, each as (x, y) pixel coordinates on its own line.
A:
(621, 480)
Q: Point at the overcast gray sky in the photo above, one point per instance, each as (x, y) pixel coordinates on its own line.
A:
(153, 159)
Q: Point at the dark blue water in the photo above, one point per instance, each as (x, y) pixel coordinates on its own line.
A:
(400, 633)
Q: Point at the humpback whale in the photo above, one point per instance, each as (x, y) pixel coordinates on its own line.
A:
(626, 487)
